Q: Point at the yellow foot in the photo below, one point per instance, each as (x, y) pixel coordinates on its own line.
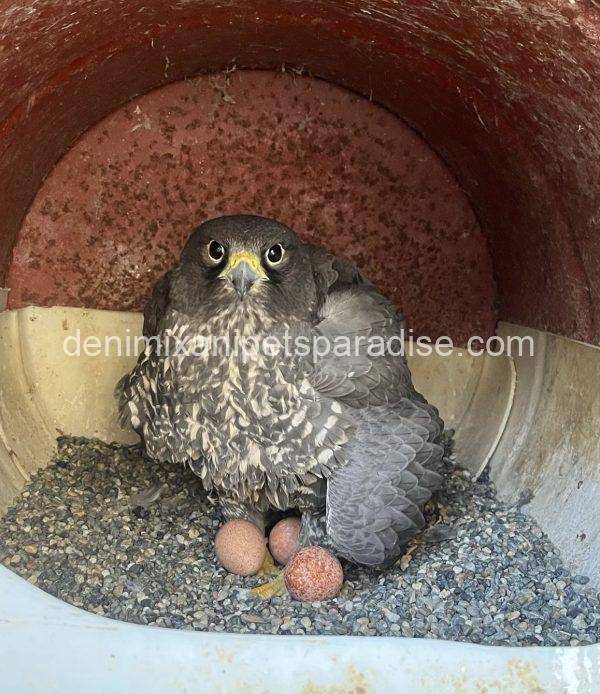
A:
(272, 589)
(268, 568)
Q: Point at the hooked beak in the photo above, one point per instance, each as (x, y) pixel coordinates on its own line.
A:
(243, 270)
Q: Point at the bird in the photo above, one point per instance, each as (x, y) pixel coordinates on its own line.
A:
(340, 436)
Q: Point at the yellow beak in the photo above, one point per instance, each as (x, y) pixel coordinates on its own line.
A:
(243, 269)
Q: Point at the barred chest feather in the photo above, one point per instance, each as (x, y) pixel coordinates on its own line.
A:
(246, 419)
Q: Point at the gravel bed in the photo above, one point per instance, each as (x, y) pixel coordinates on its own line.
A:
(73, 534)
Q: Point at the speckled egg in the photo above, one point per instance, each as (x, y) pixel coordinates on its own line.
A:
(313, 574)
(283, 539)
(240, 547)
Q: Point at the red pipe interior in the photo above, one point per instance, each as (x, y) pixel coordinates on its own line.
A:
(117, 208)
(504, 92)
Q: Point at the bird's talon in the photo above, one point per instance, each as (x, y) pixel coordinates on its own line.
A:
(273, 589)
(268, 568)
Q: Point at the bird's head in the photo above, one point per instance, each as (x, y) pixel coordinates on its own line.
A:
(247, 260)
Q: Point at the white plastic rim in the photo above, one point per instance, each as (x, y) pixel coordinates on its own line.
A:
(47, 646)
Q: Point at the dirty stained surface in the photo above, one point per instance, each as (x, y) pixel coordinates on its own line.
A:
(115, 212)
(504, 91)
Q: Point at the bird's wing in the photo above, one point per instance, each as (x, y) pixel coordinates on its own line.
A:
(332, 273)
(363, 330)
(156, 306)
(130, 388)
(374, 502)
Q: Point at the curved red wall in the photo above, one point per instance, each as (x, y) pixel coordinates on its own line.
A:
(506, 92)
(116, 210)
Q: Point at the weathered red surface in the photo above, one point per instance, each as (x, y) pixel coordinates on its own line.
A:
(116, 210)
(505, 90)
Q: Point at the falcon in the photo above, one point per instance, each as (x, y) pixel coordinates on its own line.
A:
(272, 368)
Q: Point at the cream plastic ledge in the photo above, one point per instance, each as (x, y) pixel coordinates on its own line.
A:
(47, 645)
(548, 456)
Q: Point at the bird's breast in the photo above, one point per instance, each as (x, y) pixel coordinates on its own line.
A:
(247, 392)
(246, 418)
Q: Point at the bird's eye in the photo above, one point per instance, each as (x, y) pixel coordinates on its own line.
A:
(215, 251)
(274, 255)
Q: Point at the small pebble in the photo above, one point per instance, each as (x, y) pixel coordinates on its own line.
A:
(76, 514)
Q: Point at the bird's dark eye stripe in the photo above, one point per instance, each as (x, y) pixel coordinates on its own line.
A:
(274, 254)
(215, 251)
